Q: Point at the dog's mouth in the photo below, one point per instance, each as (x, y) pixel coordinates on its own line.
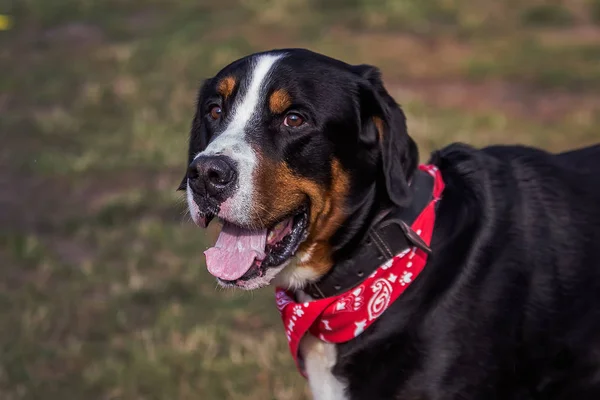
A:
(242, 254)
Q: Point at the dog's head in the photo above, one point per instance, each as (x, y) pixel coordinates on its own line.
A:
(294, 152)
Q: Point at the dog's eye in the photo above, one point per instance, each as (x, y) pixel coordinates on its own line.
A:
(215, 112)
(293, 120)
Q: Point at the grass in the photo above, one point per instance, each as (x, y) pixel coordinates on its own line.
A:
(103, 291)
(547, 15)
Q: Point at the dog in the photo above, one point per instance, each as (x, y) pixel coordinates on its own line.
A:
(307, 162)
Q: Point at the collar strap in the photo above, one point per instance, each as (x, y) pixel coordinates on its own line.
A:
(390, 234)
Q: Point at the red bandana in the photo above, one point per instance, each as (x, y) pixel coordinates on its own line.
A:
(343, 317)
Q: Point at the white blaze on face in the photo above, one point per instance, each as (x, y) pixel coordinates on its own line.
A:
(233, 143)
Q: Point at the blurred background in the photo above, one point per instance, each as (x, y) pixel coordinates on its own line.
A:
(103, 290)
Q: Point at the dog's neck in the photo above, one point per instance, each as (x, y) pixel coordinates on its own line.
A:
(388, 233)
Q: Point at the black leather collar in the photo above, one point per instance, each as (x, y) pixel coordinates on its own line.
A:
(389, 235)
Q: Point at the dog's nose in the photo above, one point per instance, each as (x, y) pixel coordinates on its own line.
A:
(213, 176)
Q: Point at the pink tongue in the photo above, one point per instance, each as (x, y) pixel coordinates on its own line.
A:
(235, 251)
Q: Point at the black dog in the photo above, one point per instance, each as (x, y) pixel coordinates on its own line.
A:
(301, 155)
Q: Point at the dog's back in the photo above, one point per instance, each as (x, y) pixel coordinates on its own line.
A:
(587, 158)
(514, 280)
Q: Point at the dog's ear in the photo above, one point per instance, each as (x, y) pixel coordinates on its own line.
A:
(383, 122)
(198, 135)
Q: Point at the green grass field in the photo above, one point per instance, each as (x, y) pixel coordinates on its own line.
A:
(103, 291)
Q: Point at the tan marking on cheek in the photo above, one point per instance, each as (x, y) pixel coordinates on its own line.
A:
(225, 86)
(379, 125)
(279, 191)
(279, 101)
(329, 219)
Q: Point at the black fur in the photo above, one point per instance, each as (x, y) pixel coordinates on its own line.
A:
(399, 155)
(508, 306)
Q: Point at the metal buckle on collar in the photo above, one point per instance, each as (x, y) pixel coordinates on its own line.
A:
(414, 238)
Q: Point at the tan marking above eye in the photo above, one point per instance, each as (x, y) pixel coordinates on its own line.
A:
(225, 86)
(279, 101)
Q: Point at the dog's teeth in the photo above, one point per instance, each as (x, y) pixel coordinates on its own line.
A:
(276, 229)
(279, 226)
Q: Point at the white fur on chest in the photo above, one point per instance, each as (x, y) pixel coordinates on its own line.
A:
(319, 359)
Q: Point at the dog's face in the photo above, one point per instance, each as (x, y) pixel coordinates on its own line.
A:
(291, 150)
